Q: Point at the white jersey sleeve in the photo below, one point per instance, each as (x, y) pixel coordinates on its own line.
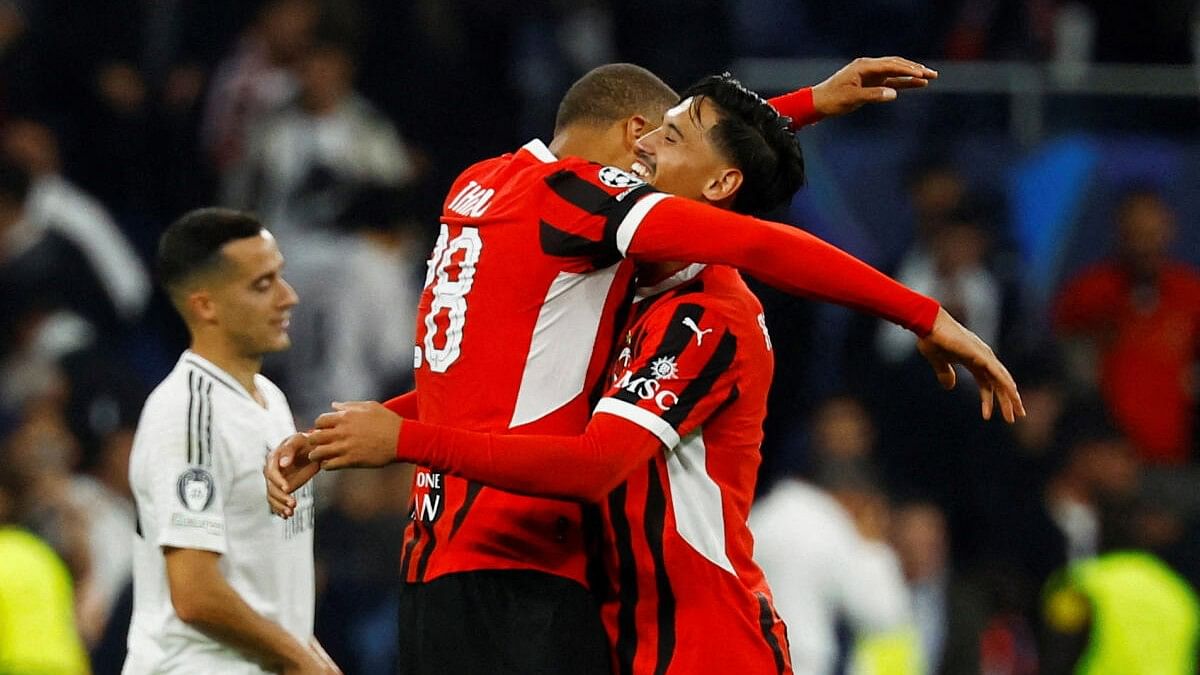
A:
(190, 480)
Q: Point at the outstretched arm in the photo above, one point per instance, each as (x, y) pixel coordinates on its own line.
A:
(660, 228)
(584, 467)
(862, 81)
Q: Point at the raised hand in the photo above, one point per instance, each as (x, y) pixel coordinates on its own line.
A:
(869, 80)
(950, 343)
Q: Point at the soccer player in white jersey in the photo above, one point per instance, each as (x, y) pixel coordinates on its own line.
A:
(220, 584)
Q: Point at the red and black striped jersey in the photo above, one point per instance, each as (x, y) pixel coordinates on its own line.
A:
(694, 369)
(671, 455)
(514, 327)
(522, 297)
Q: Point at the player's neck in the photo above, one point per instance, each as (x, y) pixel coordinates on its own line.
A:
(602, 146)
(223, 355)
(650, 274)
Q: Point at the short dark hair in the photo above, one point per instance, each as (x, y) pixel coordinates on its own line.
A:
(756, 138)
(612, 92)
(192, 244)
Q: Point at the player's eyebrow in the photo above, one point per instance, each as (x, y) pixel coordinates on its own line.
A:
(671, 126)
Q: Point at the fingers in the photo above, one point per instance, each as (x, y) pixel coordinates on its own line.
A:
(894, 66)
(900, 83)
(330, 456)
(281, 503)
(329, 419)
(986, 393)
(879, 94)
(946, 375)
(273, 474)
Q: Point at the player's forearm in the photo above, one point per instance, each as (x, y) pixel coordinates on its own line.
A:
(585, 467)
(787, 258)
(228, 619)
(797, 105)
(209, 604)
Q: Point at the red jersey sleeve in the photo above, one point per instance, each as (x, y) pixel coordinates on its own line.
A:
(661, 228)
(582, 208)
(404, 405)
(798, 107)
(585, 467)
(675, 372)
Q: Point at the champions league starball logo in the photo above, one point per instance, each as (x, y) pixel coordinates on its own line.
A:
(616, 178)
(196, 489)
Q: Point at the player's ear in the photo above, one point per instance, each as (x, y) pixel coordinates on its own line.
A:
(201, 305)
(723, 186)
(636, 127)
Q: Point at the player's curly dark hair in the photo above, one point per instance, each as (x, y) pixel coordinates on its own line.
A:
(756, 138)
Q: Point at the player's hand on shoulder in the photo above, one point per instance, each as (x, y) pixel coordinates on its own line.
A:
(869, 80)
(951, 343)
(356, 434)
(287, 469)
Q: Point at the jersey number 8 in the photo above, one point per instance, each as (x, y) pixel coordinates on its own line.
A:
(449, 294)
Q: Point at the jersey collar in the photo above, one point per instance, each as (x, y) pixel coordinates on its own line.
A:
(214, 371)
(539, 150)
(674, 281)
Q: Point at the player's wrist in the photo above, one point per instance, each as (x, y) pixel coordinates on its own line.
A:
(800, 106)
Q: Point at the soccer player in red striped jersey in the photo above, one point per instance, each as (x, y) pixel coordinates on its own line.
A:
(682, 416)
(532, 253)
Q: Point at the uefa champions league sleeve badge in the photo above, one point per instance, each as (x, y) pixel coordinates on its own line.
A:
(196, 489)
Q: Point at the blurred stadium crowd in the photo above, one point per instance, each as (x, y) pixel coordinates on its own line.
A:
(341, 123)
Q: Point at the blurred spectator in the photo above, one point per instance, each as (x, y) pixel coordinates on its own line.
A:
(950, 613)
(824, 553)
(55, 204)
(1121, 611)
(257, 78)
(304, 163)
(345, 348)
(1099, 469)
(101, 411)
(38, 455)
(1141, 312)
(19, 86)
(37, 626)
(307, 166)
(358, 544)
(42, 271)
(950, 264)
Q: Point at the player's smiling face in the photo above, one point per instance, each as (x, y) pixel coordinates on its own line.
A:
(253, 302)
(680, 158)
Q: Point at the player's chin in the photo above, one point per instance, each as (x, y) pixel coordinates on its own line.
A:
(278, 342)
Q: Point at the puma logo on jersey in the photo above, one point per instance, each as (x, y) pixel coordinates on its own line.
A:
(472, 201)
(691, 325)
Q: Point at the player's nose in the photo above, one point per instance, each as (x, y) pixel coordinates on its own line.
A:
(289, 297)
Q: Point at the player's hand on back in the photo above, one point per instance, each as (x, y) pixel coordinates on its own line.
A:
(287, 469)
(869, 80)
(950, 343)
(356, 434)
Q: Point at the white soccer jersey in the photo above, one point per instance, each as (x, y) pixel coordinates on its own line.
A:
(196, 473)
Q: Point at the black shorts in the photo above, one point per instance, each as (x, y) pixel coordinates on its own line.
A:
(501, 621)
